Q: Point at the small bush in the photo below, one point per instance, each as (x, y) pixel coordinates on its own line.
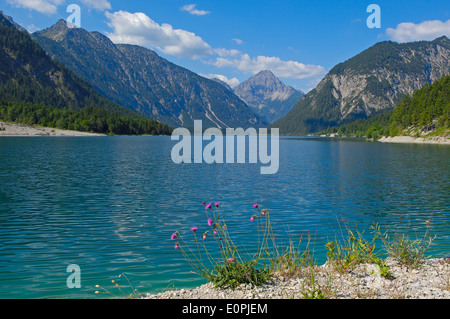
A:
(232, 268)
(405, 250)
(354, 251)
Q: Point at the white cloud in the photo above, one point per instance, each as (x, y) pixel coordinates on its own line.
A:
(227, 53)
(238, 41)
(42, 6)
(427, 30)
(138, 28)
(32, 28)
(100, 5)
(283, 69)
(231, 82)
(191, 9)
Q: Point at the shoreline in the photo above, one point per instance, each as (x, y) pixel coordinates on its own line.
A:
(430, 281)
(22, 130)
(441, 140)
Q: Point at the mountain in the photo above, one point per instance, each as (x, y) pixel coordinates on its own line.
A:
(374, 81)
(223, 83)
(426, 112)
(428, 109)
(4, 17)
(31, 82)
(139, 79)
(268, 96)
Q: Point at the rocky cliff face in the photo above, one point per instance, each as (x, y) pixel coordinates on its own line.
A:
(372, 82)
(268, 96)
(139, 79)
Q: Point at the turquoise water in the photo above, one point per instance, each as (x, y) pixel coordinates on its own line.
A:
(110, 204)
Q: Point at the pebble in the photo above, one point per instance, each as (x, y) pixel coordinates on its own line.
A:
(430, 281)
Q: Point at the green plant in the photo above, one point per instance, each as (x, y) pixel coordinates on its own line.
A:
(293, 259)
(384, 269)
(233, 274)
(409, 252)
(232, 268)
(314, 291)
(130, 295)
(353, 251)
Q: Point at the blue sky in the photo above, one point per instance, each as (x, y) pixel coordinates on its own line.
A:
(300, 41)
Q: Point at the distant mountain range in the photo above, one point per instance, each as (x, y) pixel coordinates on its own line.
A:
(84, 68)
(28, 74)
(139, 79)
(268, 96)
(34, 88)
(372, 82)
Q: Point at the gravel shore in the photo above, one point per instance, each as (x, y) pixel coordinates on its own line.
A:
(10, 129)
(430, 281)
(442, 140)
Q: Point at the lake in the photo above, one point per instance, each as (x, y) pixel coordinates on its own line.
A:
(110, 205)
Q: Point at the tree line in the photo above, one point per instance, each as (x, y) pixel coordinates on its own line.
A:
(88, 119)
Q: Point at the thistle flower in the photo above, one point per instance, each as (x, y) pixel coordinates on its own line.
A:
(208, 206)
(176, 246)
(174, 236)
(204, 236)
(194, 229)
(255, 205)
(203, 203)
(252, 219)
(217, 204)
(210, 222)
